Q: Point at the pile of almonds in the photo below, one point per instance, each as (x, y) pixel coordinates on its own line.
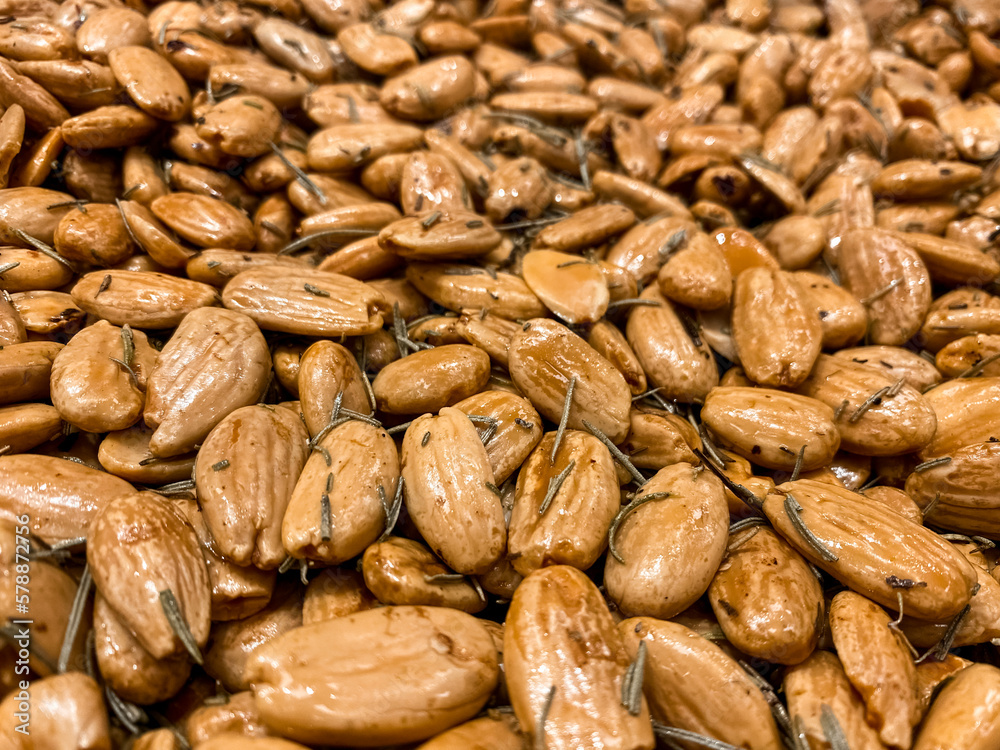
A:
(536, 374)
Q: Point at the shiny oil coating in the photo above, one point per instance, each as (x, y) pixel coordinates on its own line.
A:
(872, 543)
(560, 633)
(436, 667)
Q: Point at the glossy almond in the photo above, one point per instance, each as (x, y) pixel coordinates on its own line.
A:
(216, 361)
(697, 275)
(461, 287)
(431, 379)
(674, 357)
(247, 468)
(768, 601)
(60, 497)
(964, 414)
(960, 489)
(770, 427)
(692, 684)
(513, 435)
(448, 494)
(279, 300)
(68, 710)
(143, 299)
(872, 544)
(356, 473)
(671, 546)
(324, 684)
(899, 421)
(571, 287)
(965, 712)
(777, 335)
(205, 221)
(95, 393)
(545, 355)
(842, 319)
(559, 634)
(431, 90)
(573, 528)
(878, 664)
(151, 81)
(139, 546)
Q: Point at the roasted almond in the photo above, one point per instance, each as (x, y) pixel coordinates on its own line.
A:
(329, 378)
(142, 299)
(509, 427)
(431, 379)
(461, 287)
(571, 287)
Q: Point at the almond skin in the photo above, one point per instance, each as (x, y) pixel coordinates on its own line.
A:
(324, 684)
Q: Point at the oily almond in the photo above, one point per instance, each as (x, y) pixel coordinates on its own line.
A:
(154, 237)
(326, 372)
(26, 209)
(957, 493)
(207, 222)
(127, 667)
(113, 126)
(972, 692)
(26, 426)
(99, 236)
(968, 353)
(571, 287)
(868, 547)
(431, 379)
(566, 498)
(642, 249)
(449, 482)
(431, 90)
(347, 146)
(818, 688)
(318, 303)
(461, 287)
(666, 550)
(777, 335)
(438, 235)
(491, 333)
(333, 593)
(881, 417)
(608, 341)
(341, 501)
(12, 329)
(562, 651)
(378, 53)
(491, 732)
(235, 720)
(216, 361)
(963, 414)
(125, 453)
(142, 299)
(324, 684)
(60, 497)
(896, 362)
(547, 359)
(675, 655)
(247, 469)
(771, 428)
(99, 379)
(697, 275)
(842, 319)
(67, 709)
(152, 82)
(431, 182)
(142, 532)
(767, 600)
(673, 355)
(402, 571)
(509, 426)
(25, 370)
(890, 279)
(243, 126)
(878, 664)
(657, 439)
(587, 227)
(233, 643)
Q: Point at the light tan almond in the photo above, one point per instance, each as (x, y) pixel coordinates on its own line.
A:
(243, 125)
(26, 426)
(666, 551)
(555, 612)
(205, 221)
(657, 439)
(317, 303)
(402, 571)
(700, 705)
(460, 287)
(151, 81)
(672, 354)
(867, 547)
(971, 693)
(563, 508)
(142, 532)
(896, 362)
(431, 90)
(430, 379)
(296, 676)
(842, 319)
(964, 413)
(509, 426)
(125, 453)
(354, 475)
(325, 371)
(347, 146)
(216, 361)
(777, 334)
(546, 356)
(573, 288)
(247, 469)
(770, 427)
(450, 491)
(68, 710)
(697, 275)
(141, 299)
(957, 493)
(333, 593)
